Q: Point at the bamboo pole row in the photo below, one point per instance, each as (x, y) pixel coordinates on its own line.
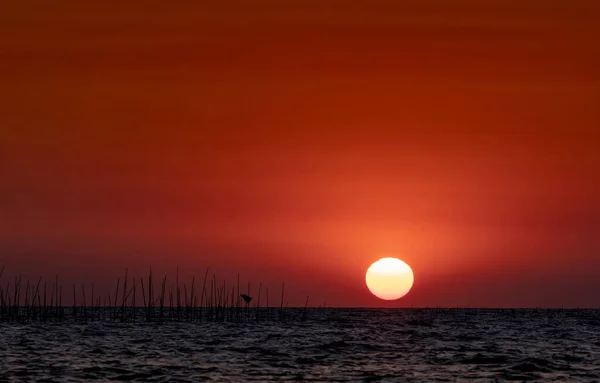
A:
(40, 302)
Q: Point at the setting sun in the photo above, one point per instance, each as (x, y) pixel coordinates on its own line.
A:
(389, 278)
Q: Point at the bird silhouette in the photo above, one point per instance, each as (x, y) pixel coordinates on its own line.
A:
(246, 298)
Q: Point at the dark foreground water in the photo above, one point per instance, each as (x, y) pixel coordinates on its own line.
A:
(335, 345)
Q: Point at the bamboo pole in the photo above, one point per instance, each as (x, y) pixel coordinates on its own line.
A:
(124, 297)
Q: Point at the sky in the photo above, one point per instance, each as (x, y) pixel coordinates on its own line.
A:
(301, 141)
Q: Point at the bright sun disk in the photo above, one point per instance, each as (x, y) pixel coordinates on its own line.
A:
(389, 278)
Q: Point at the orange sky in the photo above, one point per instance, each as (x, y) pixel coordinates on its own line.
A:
(296, 141)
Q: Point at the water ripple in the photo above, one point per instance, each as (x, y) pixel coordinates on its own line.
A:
(342, 345)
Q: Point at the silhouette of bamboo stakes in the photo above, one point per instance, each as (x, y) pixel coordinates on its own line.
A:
(150, 296)
(281, 307)
(84, 307)
(237, 302)
(185, 299)
(144, 296)
(26, 308)
(114, 307)
(32, 307)
(214, 311)
(52, 294)
(210, 304)
(247, 303)
(178, 294)
(258, 302)
(171, 303)
(22, 310)
(224, 301)
(36, 307)
(162, 297)
(31, 304)
(93, 312)
(62, 311)
(191, 305)
(14, 305)
(1, 302)
(97, 312)
(218, 298)
(14, 302)
(222, 304)
(7, 301)
(232, 305)
(124, 296)
(55, 298)
(25, 311)
(39, 299)
(215, 299)
(8, 295)
(109, 306)
(18, 300)
(133, 300)
(74, 313)
(203, 294)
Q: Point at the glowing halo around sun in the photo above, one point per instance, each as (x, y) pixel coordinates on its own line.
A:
(389, 278)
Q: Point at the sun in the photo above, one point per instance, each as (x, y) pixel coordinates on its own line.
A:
(389, 278)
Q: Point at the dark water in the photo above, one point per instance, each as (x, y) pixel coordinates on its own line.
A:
(336, 345)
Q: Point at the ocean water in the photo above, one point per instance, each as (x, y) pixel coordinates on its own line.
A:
(344, 345)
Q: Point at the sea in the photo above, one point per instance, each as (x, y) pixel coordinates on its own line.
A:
(326, 345)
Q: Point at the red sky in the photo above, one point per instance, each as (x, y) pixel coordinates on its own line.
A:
(297, 141)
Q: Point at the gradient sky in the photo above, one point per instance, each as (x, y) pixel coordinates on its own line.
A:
(298, 141)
